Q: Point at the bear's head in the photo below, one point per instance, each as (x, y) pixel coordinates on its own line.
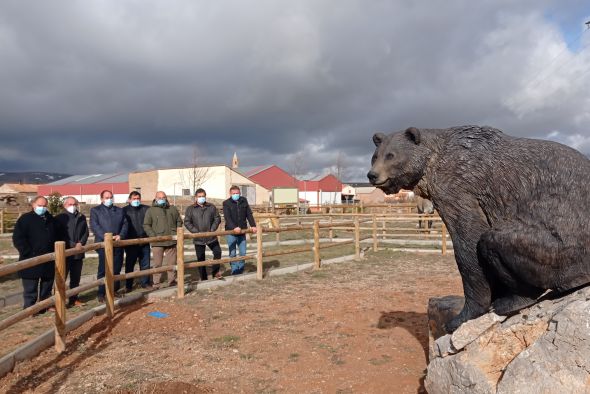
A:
(399, 160)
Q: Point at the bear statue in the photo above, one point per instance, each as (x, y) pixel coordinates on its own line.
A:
(517, 209)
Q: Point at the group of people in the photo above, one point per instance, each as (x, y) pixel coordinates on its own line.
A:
(36, 232)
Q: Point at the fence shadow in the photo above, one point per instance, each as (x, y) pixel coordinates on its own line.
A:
(59, 370)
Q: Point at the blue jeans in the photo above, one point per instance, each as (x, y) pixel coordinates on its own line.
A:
(237, 267)
(132, 254)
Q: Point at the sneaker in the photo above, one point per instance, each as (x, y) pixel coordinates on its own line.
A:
(51, 309)
(75, 303)
(147, 287)
(171, 284)
(100, 299)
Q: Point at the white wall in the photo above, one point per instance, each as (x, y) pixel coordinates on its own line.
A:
(217, 181)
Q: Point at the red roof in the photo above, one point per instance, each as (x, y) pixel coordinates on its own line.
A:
(329, 183)
(272, 176)
(77, 190)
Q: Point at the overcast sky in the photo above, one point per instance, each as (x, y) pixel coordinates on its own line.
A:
(109, 86)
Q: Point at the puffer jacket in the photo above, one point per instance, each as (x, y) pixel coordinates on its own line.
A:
(162, 221)
(33, 236)
(202, 219)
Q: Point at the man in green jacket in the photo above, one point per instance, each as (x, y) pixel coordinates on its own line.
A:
(162, 219)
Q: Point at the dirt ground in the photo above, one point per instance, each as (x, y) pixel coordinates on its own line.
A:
(357, 327)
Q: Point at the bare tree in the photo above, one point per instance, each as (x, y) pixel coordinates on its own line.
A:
(197, 174)
(297, 166)
(339, 167)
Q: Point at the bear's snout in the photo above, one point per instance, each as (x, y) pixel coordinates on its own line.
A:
(372, 175)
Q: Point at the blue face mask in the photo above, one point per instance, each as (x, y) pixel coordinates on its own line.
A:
(135, 203)
(161, 201)
(108, 202)
(201, 200)
(235, 197)
(40, 210)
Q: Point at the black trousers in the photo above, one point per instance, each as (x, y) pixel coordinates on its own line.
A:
(132, 254)
(200, 251)
(74, 270)
(36, 289)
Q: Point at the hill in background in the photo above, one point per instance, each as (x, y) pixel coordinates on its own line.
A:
(36, 178)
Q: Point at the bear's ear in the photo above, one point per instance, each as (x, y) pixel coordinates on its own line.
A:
(413, 135)
(378, 138)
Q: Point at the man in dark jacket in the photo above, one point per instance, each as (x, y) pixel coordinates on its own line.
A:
(76, 232)
(108, 218)
(204, 217)
(236, 212)
(162, 219)
(35, 234)
(135, 214)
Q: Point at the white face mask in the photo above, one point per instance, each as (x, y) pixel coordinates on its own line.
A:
(72, 209)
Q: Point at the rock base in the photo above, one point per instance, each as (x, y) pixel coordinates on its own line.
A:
(542, 349)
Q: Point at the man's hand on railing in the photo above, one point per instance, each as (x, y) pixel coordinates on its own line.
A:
(254, 229)
(237, 230)
(117, 238)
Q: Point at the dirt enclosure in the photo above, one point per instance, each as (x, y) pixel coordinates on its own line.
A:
(356, 327)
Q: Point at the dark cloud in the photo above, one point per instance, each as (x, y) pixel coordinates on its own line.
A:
(117, 86)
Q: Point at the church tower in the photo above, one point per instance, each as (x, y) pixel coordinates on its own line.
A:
(235, 163)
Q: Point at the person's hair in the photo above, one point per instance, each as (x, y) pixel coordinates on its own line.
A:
(67, 198)
(105, 191)
(234, 187)
(37, 198)
(134, 193)
(200, 190)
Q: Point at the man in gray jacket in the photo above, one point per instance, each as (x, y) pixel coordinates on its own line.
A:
(204, 217)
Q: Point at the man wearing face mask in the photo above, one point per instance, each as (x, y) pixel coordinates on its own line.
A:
(35, 233)
(135, 213)
(203, 217)
(76, 232)
(236, 212)
(108, 218)
(162, 219)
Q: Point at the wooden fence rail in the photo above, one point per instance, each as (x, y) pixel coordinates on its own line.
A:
(60, 254)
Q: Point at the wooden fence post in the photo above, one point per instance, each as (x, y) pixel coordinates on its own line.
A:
(383, 233)
(2, 221)
(278, 233)
(109, 280)
(357, 239)
(259, 266)
(331, 231)
(374, 233)
(317, 263)
(180, 261)
(60, 296)
(444, 239)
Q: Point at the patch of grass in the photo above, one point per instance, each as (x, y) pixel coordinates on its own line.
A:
(319, 274)
(246, 356)
(294, 357)
(226, 340)
(380, 361)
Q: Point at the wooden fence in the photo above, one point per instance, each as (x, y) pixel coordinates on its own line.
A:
(314, 223)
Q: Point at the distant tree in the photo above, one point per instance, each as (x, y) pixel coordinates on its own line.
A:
(339, 166)
(297, 166)
(197, 174)
(54, 203)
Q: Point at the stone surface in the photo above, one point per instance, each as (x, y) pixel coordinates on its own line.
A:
(542, 349)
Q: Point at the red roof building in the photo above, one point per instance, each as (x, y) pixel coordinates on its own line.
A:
(269, 177)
